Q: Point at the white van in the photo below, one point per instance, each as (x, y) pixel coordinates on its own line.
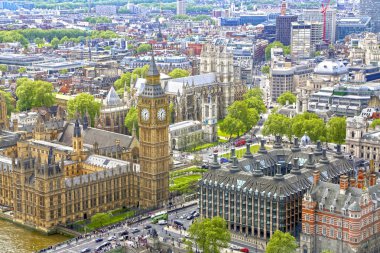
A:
(162, 222)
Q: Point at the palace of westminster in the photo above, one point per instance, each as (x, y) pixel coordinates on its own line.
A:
(63, 174)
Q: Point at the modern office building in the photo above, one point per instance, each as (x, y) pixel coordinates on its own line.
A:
(283, 28)
(300, 45)
(341, 217)
(349, 25)
(371, 8)
(181, 7)
(315, 15)
(263, 192)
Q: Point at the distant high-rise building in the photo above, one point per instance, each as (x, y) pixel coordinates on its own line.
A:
(371, 8)
(301, 40)
(181, 7)
(283, 28)
(315, 15)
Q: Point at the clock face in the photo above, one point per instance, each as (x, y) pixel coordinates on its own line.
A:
(161, 114)
(145, 114)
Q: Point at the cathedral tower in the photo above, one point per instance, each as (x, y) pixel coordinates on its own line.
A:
(153, 121)
(77, 141)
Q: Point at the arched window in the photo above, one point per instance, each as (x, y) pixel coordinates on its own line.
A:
(353, 134)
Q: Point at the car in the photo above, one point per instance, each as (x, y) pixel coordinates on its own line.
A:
(178, 223)
(182, 217)
(193, 212)
(162, 222)
(85, 250)
(190, 217)
(123, 233)
(147, 226)
(245, 250)
(123, 238)
(98, 239)
(234, 247)
(135, 230)
(240, 142)
(196, 215)
(111, 238)
(224, 160)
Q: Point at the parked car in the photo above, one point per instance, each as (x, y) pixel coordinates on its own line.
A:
(85, 250)
(196, 215)
(190, 217)
(234, 247)
(239, 143)
(147, 226)
(245, 250)
(224, 160)
(98, 239)
(193, 212)
(178, 223)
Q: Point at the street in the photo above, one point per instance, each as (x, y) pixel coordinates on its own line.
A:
(164, 232)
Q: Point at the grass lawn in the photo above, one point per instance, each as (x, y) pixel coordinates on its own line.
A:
(182, 184)
(116, 216)
(240, 152)
(194, 169)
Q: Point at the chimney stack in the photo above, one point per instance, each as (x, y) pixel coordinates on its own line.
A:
(360, 179)
(352, 182)
(316, 176)
(372, 179)
(343, 185)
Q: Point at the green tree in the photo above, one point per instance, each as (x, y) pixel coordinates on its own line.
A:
(83, 103)
(131, 120)
(375, 123)
(278, 124)
(248, 116)
(63, 71)
(143, 48)
(265, 69)
(33, 94)
(39, 42)
(55, 42)
(254, 92)
(22, 70)
(286, 96)
(171, 112)
(256, 103)
(315, 129)
(327, 251)
(231, 126)
(210, 235)
(3, 68)
(100, 218)
(9, 100)
(299, 120)
(141, 72)
(336, 130)
(178, 73)
(281, 242)
(286, 49)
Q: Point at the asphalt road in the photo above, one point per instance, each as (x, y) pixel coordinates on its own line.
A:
(76, 247)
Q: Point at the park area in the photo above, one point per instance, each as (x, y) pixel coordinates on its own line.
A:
(185, 181)
(240, 152)
(103, 219)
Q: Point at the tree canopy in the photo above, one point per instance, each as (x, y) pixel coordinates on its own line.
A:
(309, 123)
(265, 69)
(98, 20)
(131, 120)
(336, 130)
(33, 94)
(275, 44)
(178, 73)
(241, 116)
(278, 124)
(210, 235)
(9, 100)
(83, 103)
(375, 123)
(286, 96)
(143, 48)
(281, 242)
(254, 92)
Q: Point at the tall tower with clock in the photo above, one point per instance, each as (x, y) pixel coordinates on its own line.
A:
(154, 152)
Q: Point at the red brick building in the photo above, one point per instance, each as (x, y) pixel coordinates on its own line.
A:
(342, 218)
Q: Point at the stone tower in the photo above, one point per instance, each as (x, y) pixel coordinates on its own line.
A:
(77, 141)
(153, 119)
(4, 124)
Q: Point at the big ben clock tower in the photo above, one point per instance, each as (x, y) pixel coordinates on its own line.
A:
(154, 153)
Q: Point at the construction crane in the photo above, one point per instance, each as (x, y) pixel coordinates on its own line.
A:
(325, 6)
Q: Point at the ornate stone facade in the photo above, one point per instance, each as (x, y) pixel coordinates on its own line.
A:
(53, 180)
